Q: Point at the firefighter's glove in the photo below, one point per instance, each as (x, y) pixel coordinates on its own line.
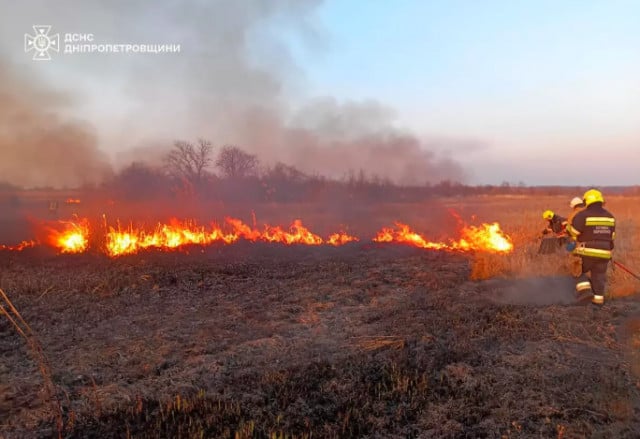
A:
(571, 246)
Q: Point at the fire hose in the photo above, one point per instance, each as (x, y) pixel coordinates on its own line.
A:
(626, 269)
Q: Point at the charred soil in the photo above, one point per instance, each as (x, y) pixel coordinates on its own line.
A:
(268, 341)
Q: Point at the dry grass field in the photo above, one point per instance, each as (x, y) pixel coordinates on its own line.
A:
(364, 340)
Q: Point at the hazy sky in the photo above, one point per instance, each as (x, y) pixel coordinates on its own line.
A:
(552, 88)
(542, 92)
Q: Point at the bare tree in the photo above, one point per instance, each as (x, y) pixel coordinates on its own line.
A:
(188, 162)
(234, 163)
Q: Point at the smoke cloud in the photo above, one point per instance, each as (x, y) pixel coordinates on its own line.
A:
(38, 147)
(342, 138)
(233, 82)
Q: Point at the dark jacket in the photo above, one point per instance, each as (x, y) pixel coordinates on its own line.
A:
(594, 228)
(557, 224)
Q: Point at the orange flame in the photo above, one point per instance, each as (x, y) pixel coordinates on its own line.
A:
(488, 237)
(74, 237)
(299, 235)
(18, 247)
(176, 234)
(165, 236)
(340, 239)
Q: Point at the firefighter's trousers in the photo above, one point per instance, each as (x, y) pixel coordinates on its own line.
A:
(591, 283)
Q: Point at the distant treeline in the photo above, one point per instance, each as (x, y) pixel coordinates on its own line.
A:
(187, 171)
(138, 183)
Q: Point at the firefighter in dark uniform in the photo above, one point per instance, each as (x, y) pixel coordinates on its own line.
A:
(594, 230)
(555, 223)
(554, 234)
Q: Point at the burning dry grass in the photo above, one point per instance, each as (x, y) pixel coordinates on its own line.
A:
(78, 236)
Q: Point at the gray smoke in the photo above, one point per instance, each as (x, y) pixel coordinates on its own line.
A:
(327, 135)
(539, 291)
(38, 146)
(234, 82)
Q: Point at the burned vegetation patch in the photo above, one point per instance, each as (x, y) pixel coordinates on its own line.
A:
(384, 341)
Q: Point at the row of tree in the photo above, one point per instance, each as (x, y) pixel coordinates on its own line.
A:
(188, 171)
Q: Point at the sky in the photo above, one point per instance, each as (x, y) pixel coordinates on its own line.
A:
(538, 92)
(552, 88)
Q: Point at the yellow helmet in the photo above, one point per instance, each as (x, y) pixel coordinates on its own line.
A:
(592, 196)
(547, 214)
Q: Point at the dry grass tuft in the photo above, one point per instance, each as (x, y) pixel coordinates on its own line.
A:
(486, 266)
(21, 326)
(373, 343)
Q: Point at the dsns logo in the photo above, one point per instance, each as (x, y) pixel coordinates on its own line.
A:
(41, 42)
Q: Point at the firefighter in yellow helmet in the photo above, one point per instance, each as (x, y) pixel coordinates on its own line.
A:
(555, 223)
(554, 234)
(594, 230)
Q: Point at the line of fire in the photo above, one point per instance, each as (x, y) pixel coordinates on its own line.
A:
(79, 235)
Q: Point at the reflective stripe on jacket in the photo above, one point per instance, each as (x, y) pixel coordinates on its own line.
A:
(583, 250)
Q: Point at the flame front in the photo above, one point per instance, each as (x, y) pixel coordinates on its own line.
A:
(164, 236)
(177, 234)
(488, 237)
(404, 234)
(341, 239)
(73, 237)
(299, 235)
(19, 247)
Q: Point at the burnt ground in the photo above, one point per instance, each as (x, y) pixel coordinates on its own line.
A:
(269, 341)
